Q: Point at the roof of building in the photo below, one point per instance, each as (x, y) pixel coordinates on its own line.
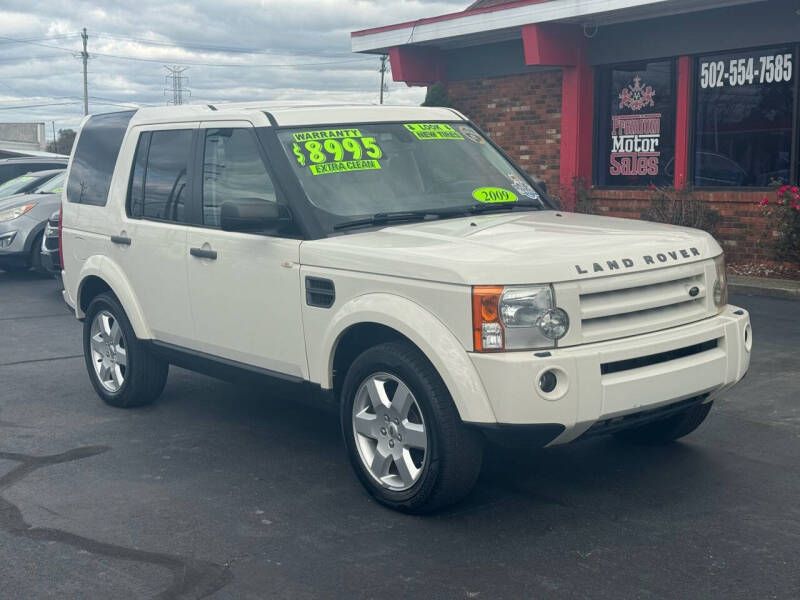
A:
(497, 20)
(487, 3)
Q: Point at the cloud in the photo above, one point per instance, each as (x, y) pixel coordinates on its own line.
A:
(301, 52)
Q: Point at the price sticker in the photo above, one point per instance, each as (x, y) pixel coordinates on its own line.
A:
(336, 151)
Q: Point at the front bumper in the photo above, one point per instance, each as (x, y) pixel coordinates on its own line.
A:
(605, 380)
(17, 232)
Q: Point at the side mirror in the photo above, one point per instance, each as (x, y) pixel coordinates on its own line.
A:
(249, 214)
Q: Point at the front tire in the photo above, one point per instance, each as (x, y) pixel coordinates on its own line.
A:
(667, 430)
(122, 371)
(403, 434)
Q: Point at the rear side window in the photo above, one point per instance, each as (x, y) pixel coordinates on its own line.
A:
(159, 186)
(95, 157)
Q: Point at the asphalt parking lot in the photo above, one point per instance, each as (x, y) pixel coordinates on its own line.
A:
(231, 492)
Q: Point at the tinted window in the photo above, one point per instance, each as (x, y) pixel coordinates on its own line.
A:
(95, 156)
(12, 170)
(636, 140)
(232, 171)
(159, 186)
(743, 129)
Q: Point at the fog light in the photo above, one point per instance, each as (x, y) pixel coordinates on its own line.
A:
(748, 337)
(548, 382)
(6, 239)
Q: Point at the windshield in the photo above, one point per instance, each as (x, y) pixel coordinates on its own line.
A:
(367, 169)
(9, 188)
(52, 186)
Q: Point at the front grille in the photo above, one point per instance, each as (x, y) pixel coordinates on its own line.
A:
(654, 359)
(625, 305)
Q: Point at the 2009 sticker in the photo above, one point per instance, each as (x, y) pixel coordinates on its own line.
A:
(494, 195)
(433, 131)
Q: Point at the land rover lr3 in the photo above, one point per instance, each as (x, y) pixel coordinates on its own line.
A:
(395, 260)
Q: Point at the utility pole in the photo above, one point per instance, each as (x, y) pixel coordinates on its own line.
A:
(176, 81)
(384, 57)
(85, 57)
(55, 139)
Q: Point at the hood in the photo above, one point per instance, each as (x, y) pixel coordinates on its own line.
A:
(23, 199)
(517, 248)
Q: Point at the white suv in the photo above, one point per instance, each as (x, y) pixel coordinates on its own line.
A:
(397, 262)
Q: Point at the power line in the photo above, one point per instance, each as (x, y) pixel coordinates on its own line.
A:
(198, 64)
(39, 105)
(209, 47)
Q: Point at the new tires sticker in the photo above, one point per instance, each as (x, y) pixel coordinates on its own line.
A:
(493, 195)
(433, 131)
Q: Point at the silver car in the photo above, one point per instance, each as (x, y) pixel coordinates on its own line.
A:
(23, 218)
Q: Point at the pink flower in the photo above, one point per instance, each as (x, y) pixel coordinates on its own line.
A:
(781, 201)
(795, 190)
(783, 189)
(796, 196)
(652, 187)
(764, 201)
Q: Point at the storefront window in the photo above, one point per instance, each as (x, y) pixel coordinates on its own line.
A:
(743, 127)
(636, 113)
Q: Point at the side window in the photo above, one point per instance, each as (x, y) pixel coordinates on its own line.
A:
(232, 171)
(159, 185)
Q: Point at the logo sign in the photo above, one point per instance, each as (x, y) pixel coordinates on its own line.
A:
(636, 138)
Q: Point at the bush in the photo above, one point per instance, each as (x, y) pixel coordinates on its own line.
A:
(783, 216)
(680, 207)
(437, 96)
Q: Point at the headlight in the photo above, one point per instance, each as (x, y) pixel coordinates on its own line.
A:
(516, 318)
(721, 284)
(17, 211)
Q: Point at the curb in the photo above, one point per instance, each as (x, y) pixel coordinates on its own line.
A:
(760, 286)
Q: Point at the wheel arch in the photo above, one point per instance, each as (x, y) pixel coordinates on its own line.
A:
(372, 319)
(99, 275)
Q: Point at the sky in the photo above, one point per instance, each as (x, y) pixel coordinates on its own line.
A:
(282, 51)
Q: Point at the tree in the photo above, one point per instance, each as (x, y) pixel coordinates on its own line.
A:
(437, 96)
(63, 144)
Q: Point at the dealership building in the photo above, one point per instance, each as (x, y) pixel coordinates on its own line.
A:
(623, 95)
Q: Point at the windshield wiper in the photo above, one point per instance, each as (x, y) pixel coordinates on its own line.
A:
(482, 208)
(392, 217)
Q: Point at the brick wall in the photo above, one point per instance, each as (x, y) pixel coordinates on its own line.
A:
(741, 231)
(522, 113)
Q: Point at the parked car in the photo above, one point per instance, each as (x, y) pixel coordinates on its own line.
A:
(27, 183)
(23, 219)
(11, 168)
(395, 261)
(51, 259)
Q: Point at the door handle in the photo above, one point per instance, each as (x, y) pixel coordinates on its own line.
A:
(203, 253)
(121, 240)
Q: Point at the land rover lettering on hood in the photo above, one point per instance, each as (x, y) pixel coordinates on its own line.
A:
(395, 262)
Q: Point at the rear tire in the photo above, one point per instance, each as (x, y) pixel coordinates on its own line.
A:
(411, 452)
(122, 371)
(667, 430)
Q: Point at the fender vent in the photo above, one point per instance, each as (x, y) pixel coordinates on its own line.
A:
(320, 292)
